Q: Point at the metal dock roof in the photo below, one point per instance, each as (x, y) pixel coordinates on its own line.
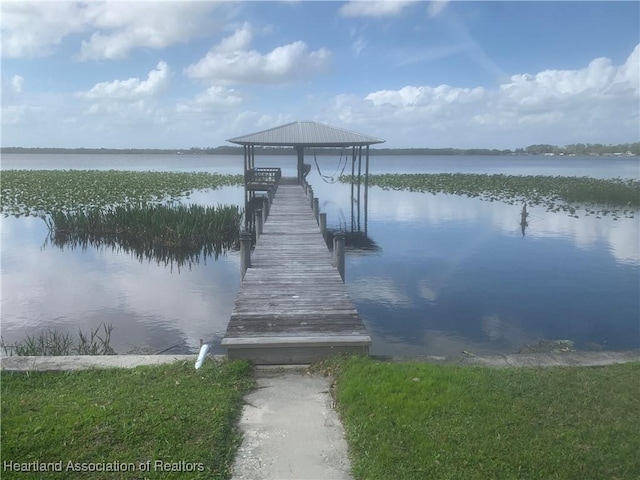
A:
(306, 134)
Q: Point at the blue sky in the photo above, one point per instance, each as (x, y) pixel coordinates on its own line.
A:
(156, 74)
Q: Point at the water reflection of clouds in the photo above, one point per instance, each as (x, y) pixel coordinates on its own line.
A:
(378, 290)
(506, 329)
(70, 289)
(193, 302)
(145, 302)
(622, 236)
(428, 290)
(406, 320)
(468, 281)
(434, 342)
(224, 195)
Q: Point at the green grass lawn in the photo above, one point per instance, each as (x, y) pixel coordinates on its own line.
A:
(170, 413)
(421, 421)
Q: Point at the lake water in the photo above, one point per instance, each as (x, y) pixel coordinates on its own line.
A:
(450, 273)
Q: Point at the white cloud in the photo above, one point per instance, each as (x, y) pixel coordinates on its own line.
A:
(20, 114)
(628, 75)
(564, 105)
(240, 40)
(440, 96)
(251, 121)
(378, 9)
(535, 91)
(131, 102)
(358, 45)
(231, 62)
(32, 29)
(213, 99)
(130, 25)
(436, 7)
(17, 83)
(131, 89)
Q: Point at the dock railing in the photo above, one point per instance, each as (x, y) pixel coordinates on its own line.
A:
(264, 175)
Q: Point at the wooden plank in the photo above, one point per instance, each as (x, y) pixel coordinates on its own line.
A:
(293, 355)
(315, 340)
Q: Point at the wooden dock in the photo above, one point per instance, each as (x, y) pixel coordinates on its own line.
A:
(293, 307)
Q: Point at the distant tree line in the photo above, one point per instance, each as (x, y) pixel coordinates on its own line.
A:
(91, 151)
(581, 149)
(578, 149)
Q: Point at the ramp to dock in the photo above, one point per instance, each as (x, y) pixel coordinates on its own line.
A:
(293, 307)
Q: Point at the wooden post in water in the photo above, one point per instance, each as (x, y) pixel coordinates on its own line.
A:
(265, 209)
(245, 252)
(338, 248)
(259, 220)
(323, 225)
(300, 152)
(316, 209)
(311, 197)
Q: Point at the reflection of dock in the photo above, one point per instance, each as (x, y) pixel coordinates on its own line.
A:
(292, 306)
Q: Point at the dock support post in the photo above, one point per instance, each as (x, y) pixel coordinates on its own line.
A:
(265, 209)
(311, 197)
(316, 209)
(338, 249)
(245, 252)
(259, 219)
(323, 225)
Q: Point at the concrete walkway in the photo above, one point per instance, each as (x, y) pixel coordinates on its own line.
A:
(291, 431)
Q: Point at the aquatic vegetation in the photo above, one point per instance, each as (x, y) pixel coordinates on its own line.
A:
(615, 196)
(164, 233)
(55, 343)
(126, 210)
(39, 192)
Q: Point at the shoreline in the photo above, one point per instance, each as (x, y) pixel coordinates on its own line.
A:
(516, 360)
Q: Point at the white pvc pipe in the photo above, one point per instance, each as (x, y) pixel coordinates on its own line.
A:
(204, 349)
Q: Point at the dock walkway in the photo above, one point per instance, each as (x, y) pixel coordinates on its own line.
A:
(293, 307)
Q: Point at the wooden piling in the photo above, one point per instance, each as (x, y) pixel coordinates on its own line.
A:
(323, 225)
(338, 245)
(316, 209)
(259, 220)
(245, 252)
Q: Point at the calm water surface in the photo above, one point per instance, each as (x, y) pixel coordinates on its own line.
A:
(449, 273)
